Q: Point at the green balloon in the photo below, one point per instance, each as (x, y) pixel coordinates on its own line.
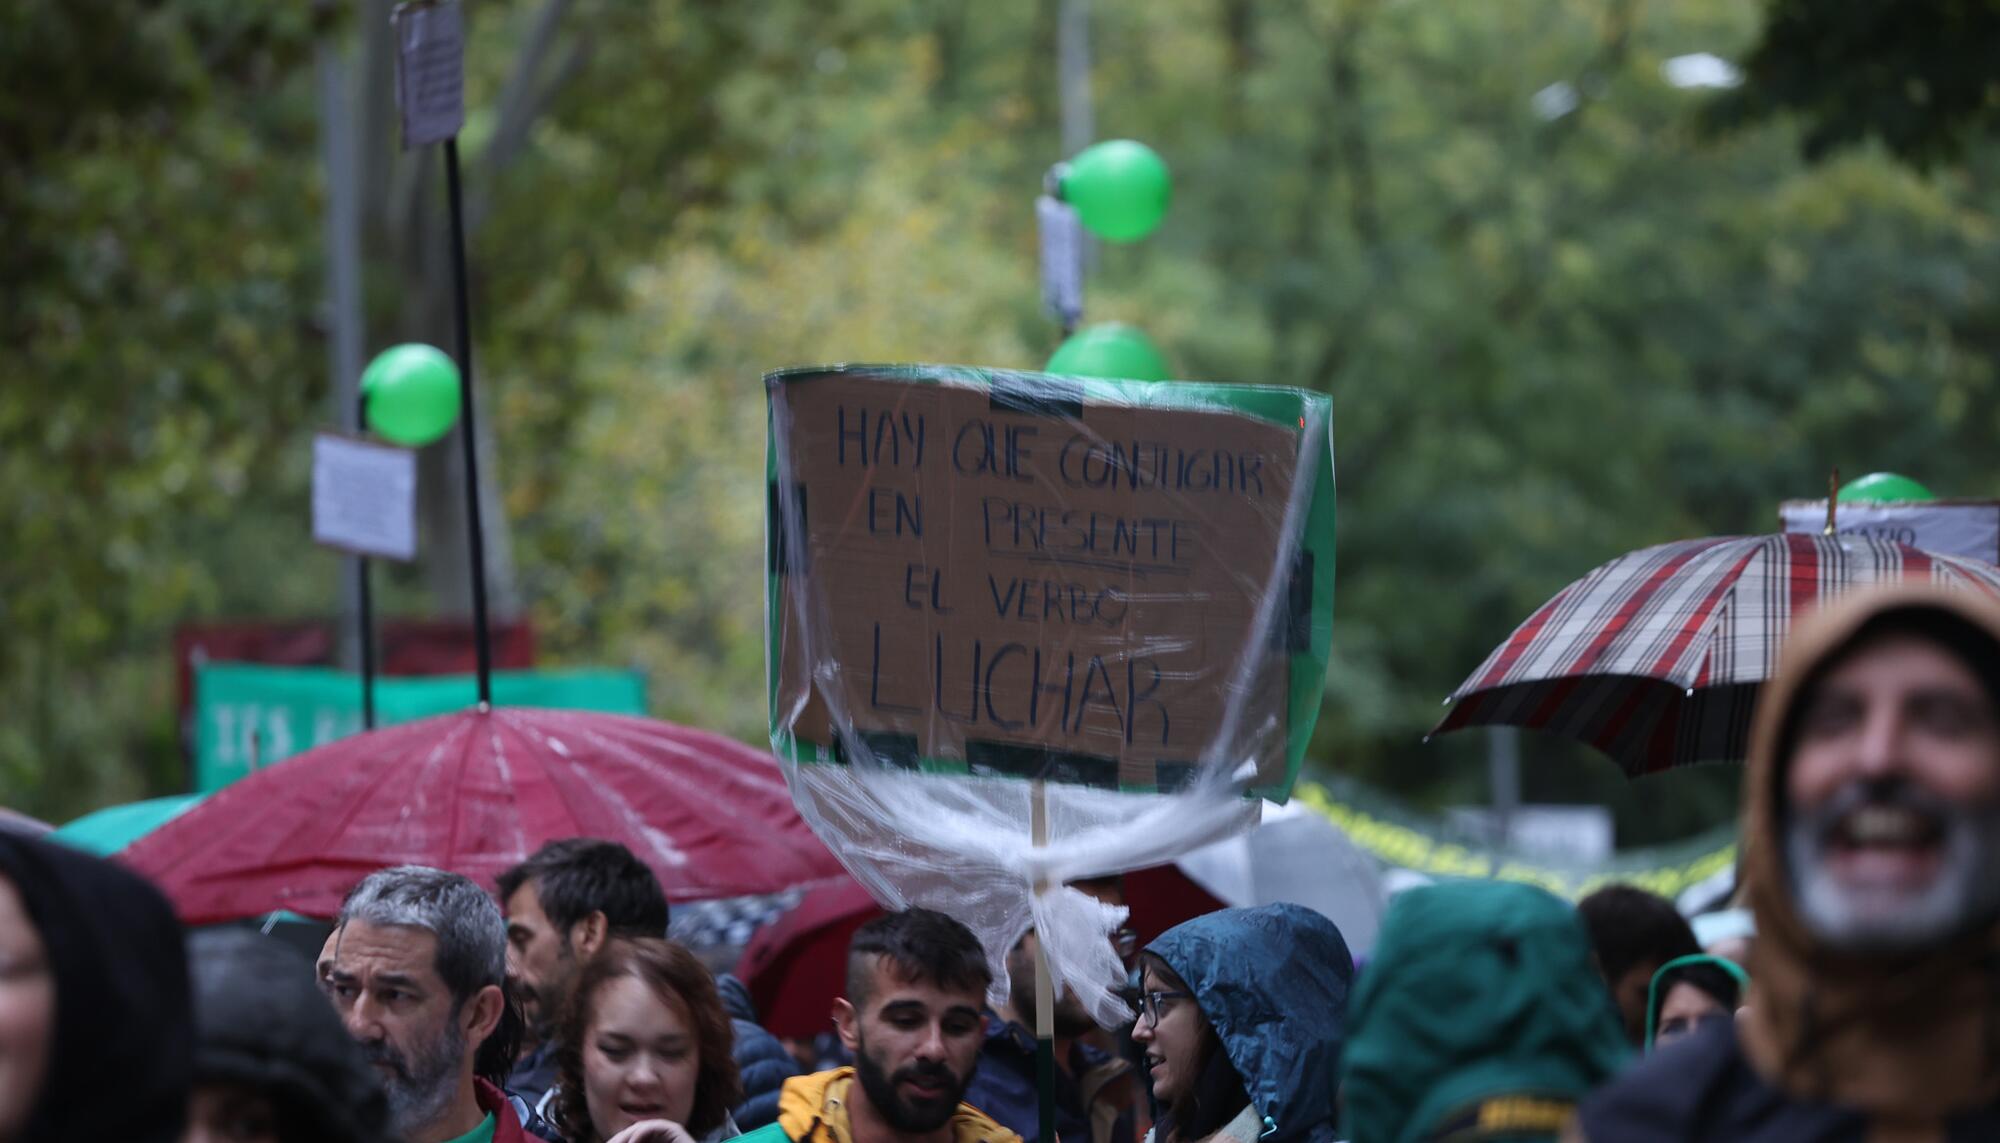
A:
(412, 394)
(1109, 350)
(1880, 487)
(1120, 189)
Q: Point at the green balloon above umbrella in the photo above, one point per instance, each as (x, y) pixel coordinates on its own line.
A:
(1112, 349)
(1120, 189)
(411, 393)
(1882, 487)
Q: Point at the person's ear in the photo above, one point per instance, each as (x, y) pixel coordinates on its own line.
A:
(482, 1016)
(847, 1022)
(588, 935)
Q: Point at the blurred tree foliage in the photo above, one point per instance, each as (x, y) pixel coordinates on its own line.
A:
(1558, 320)
(1917, 75)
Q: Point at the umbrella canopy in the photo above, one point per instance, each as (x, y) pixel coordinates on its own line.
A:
(20, 824)
(476, 792)
(1655, 658)
(106, 831)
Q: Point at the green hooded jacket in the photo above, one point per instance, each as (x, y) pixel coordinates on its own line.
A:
(1480, 1016)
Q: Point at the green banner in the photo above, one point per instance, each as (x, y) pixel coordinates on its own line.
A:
(248, 715)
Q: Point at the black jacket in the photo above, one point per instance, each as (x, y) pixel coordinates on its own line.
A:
(764, 1062)
(261, 1021)
(123, 1046)
(1703, 1090)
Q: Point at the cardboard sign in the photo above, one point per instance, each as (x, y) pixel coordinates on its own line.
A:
(1018, 581)
(430, 70)
(1945, 527)
(364, 497)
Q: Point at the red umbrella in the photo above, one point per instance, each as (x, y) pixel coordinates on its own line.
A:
(797, 966)
(1656, 657)
(476, 792)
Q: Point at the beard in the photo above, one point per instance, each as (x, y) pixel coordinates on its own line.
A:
(909, 1116)
(1879, 919)
(419, 1085)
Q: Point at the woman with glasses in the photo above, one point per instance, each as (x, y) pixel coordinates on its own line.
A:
(1241, 1019)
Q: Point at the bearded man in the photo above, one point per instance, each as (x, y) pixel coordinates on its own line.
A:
(1872, 864)
(913, 1021)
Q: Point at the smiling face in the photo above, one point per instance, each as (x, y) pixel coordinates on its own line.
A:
(1893, 792)
(640, 1057)
(1173, 1041)
(915, 1045)
(27, 1012)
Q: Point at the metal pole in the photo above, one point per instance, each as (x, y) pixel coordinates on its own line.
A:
(1503, 768)
(462, 310)
(1079, 124)
(344, 321)
(1045, 993)
(364, 624)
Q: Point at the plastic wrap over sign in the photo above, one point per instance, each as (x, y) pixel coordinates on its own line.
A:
(1025, 629)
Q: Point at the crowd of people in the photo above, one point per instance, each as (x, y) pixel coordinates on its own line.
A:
(1852, 994)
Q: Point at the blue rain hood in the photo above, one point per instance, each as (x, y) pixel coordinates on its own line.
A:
(1273, 983)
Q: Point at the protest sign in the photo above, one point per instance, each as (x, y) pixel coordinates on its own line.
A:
(430, 70)
(1018, 577)
(364, 497)
(248, 715)
(1026, 628)
(1947, 527)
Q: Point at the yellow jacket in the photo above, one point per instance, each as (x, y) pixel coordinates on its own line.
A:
(813, 1109)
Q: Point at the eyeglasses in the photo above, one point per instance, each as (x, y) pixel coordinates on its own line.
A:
(1149, 1004)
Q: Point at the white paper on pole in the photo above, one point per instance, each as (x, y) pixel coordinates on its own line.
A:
(1062, 258)
(1946, 527)
(430, 70)
(364, 497)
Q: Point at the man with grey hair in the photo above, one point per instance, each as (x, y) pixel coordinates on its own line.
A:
(1871, 835)
(416, 965)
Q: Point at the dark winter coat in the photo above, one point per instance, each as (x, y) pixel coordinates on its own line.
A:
(762, 1060)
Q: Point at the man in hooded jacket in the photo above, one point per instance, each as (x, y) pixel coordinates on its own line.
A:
(1872, 863)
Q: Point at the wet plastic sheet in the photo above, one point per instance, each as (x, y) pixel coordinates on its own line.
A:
(998, 598)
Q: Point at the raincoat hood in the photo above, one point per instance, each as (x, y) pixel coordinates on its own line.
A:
(1480, 1009)
(120, 1061)
(1272, 981)
(261, 1021)
(1914, 1036)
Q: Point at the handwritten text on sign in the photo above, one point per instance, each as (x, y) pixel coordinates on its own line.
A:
(1026, 582)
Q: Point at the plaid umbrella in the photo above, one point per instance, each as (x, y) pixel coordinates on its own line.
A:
(1655, 657)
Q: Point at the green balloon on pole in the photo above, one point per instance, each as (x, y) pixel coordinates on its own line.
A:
(1882, 487)
(1112, 350)
(411, 393)
(1120, 189)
